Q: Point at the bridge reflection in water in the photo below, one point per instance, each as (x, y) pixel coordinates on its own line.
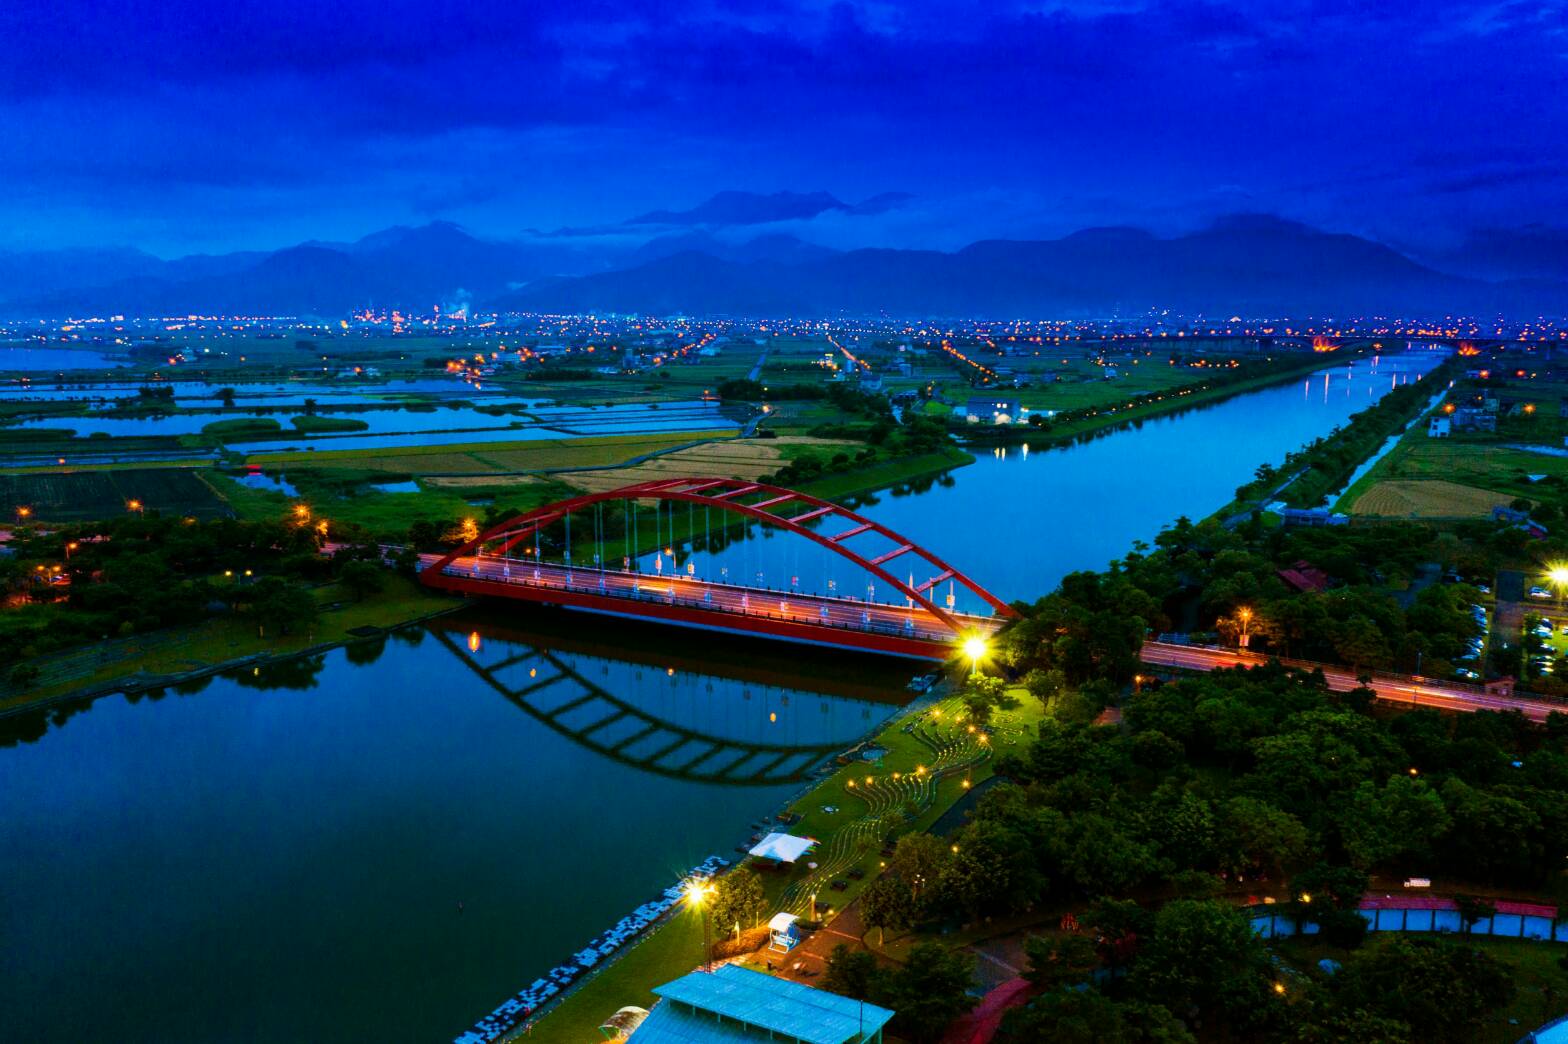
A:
(724, 724)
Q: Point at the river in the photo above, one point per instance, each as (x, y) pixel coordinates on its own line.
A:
(387, 843)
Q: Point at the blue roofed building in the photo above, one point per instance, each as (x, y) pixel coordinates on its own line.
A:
(735, 1005)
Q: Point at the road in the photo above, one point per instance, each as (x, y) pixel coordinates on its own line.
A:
(819, 610)
(1411, 692)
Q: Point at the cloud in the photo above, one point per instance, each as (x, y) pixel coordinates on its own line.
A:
(519, 114)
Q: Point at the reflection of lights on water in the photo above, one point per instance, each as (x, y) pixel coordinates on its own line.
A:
(773, 716)
(473, 641)
(533, 672)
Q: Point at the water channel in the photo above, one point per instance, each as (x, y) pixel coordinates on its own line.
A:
(384, 843)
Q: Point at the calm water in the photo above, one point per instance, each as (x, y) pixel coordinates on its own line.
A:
(281, 864)
(1018, 520)
(288, 864)
(53, 360)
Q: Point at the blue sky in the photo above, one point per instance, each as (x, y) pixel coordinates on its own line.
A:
(183, 126)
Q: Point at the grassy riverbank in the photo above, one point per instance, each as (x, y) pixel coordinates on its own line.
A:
(932, 760)
(219, 641)
(1173, 400)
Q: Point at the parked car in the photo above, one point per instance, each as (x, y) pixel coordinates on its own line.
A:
(1540, 593)
(1468, 675)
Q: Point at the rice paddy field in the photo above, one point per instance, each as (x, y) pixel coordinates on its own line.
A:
(74, 496)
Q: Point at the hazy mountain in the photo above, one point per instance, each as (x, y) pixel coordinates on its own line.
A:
(745, 208)
(1249, 264)
(436, 264)
(782, 248)
(25, 273)
(1532, 252)
(1254, 264)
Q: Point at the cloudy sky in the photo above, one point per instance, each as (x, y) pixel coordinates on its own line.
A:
(209, 125)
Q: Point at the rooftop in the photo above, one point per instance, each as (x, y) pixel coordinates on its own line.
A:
(762, 1003)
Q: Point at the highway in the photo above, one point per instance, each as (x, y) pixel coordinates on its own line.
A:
(1409, 691)
(817, 610)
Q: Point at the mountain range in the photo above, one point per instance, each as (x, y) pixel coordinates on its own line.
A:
(728, 255)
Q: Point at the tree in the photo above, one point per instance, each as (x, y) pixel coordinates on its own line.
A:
(1442, 991)
(1204, 954)
(310, 407)
(984, 695)
(738, 899)
(1254, 835)
(361, 579)
(226, 396)
(1473, 908)
(1068, 1016)
(852, 973)
(929, 991)
(282, 605)
(1401, 819)
(1117, 925)
(887, 904)
(1060, 961)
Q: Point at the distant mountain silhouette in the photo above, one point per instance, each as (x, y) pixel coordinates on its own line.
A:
(745, 208)
(1253, 264)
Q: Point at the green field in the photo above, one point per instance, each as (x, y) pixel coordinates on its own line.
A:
(75, 496)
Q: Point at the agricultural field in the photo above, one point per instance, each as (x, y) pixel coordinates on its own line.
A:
(482, 458)
(1434, 472)
(1426, 498)
(76, 496)
(745, 459)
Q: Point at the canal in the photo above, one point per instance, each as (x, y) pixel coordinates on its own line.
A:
(385, 842)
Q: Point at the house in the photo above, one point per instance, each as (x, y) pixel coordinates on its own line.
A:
(1304, 577)
(987, 409)
(1469, 418)
(735, 1005)
(1311, 517)
(1439, 428)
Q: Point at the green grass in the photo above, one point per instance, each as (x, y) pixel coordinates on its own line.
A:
(242, 426)
(887, 473)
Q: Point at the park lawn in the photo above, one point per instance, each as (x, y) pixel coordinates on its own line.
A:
(1533, 964)
(676, 948)
(227, 638)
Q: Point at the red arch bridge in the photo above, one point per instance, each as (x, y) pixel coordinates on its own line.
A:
(533, 557)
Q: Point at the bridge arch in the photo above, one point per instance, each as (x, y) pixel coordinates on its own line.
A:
(727, 495)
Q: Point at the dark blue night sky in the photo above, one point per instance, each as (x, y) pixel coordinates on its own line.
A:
(209, 125)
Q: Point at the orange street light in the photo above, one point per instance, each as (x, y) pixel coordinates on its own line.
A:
(133, 505)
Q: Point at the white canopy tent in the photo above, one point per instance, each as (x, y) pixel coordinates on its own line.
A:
(783, 848)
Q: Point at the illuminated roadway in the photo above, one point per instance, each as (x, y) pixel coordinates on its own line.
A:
(1412, 692)
(848, 614)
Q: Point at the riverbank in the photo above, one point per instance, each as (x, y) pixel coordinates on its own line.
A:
(1314, 473)
(161, 659)
(932, 761)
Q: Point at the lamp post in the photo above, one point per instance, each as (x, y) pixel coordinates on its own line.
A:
(1244, 614)
(1557, 576)
(697, 891)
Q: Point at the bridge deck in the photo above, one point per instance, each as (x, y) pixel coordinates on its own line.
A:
(908, 631)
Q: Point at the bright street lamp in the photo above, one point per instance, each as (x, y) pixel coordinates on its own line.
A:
(975, 647)
(697, 891)
(1557, 576)
(1244, 614)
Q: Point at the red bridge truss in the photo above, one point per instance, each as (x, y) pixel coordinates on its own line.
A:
(471, 568)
